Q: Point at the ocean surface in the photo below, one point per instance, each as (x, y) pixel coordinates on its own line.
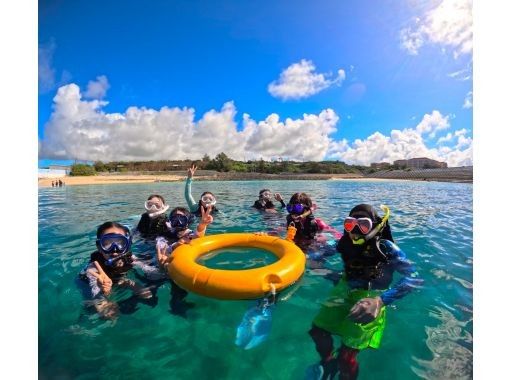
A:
(428, 333)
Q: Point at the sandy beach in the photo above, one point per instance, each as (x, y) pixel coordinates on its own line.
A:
(107, 179)
(134, 178)
(207, 175)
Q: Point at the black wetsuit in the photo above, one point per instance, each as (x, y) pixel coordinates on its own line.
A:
(306, 229)
(152, 227)
(260, 205)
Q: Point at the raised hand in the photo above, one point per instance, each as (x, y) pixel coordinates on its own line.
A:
(206, 218)
(191, 170)
(161, 255)
(105, 283)
(278, 197)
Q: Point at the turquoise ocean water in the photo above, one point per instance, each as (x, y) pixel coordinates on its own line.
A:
(428, 333)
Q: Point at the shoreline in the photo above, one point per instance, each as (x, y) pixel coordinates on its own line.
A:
(108, 179)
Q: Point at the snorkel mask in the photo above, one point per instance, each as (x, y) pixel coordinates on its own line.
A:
(179, 222)
(265, 195)
(365, 224)
(295, 208)
(155, 207)
(208, 200)
(109, 244)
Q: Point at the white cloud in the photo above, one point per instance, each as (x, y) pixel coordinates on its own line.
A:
(450, 24)
(405, 144)
(97, 89)
(446, 138)
(462, 75)
(79, 129)
(47, 75)
(46, 71)
(433, 123)
(468, 100)
(299, 80)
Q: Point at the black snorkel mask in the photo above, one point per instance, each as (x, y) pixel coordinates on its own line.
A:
(110, 244)
(179, 222)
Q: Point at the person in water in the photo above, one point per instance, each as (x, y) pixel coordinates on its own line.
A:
(356, 307)
(206, 199)
(178, 233)
(108, 268)
(301, 216)
(152, 222)
(264, 202)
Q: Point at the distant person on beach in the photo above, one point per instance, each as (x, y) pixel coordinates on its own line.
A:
(108, 268)
(177, 233)
(52, 184)
(356, 308)
(206, 199)
(152, 222)
(264, 202)
(59, 183)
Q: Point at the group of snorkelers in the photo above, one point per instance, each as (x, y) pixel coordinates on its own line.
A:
(355, 310)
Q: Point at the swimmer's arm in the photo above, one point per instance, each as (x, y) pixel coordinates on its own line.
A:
(279, 198)
(192, 205)
(410, 278)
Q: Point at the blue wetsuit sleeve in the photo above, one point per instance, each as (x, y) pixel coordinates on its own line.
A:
(282, 203)
(192, 205)
(410, 278)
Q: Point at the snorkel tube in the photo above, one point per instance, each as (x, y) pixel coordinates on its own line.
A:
(110, 262)
(376, 229)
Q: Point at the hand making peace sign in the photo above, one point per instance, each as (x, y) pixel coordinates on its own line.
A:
(105, 283)
(206, 218)
(191, 171)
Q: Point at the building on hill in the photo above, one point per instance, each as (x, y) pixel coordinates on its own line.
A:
(420, 163)
(380, 165)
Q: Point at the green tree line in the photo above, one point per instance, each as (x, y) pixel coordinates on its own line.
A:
(220, 163)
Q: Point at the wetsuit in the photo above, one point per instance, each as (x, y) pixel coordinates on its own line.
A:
(306, 229)
(154, 272)
(116, 274)
(264, 205)
(193, 206)
(151, 227)
(368, 273)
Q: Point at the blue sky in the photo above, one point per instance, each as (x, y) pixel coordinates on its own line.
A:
(134, 80)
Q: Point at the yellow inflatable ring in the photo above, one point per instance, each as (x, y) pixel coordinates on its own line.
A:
(236, 284)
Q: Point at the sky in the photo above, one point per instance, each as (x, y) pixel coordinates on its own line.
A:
(356, 81)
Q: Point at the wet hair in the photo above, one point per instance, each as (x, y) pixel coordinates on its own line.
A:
(199, 212)
(157, 196)
(184, 210)
(301, 198)
(106, 225)
(207, 192)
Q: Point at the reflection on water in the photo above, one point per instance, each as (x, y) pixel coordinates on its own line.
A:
(451, 346)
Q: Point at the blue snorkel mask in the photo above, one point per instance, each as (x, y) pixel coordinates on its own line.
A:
(295, 208)
(179, 222)
(109, 244)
